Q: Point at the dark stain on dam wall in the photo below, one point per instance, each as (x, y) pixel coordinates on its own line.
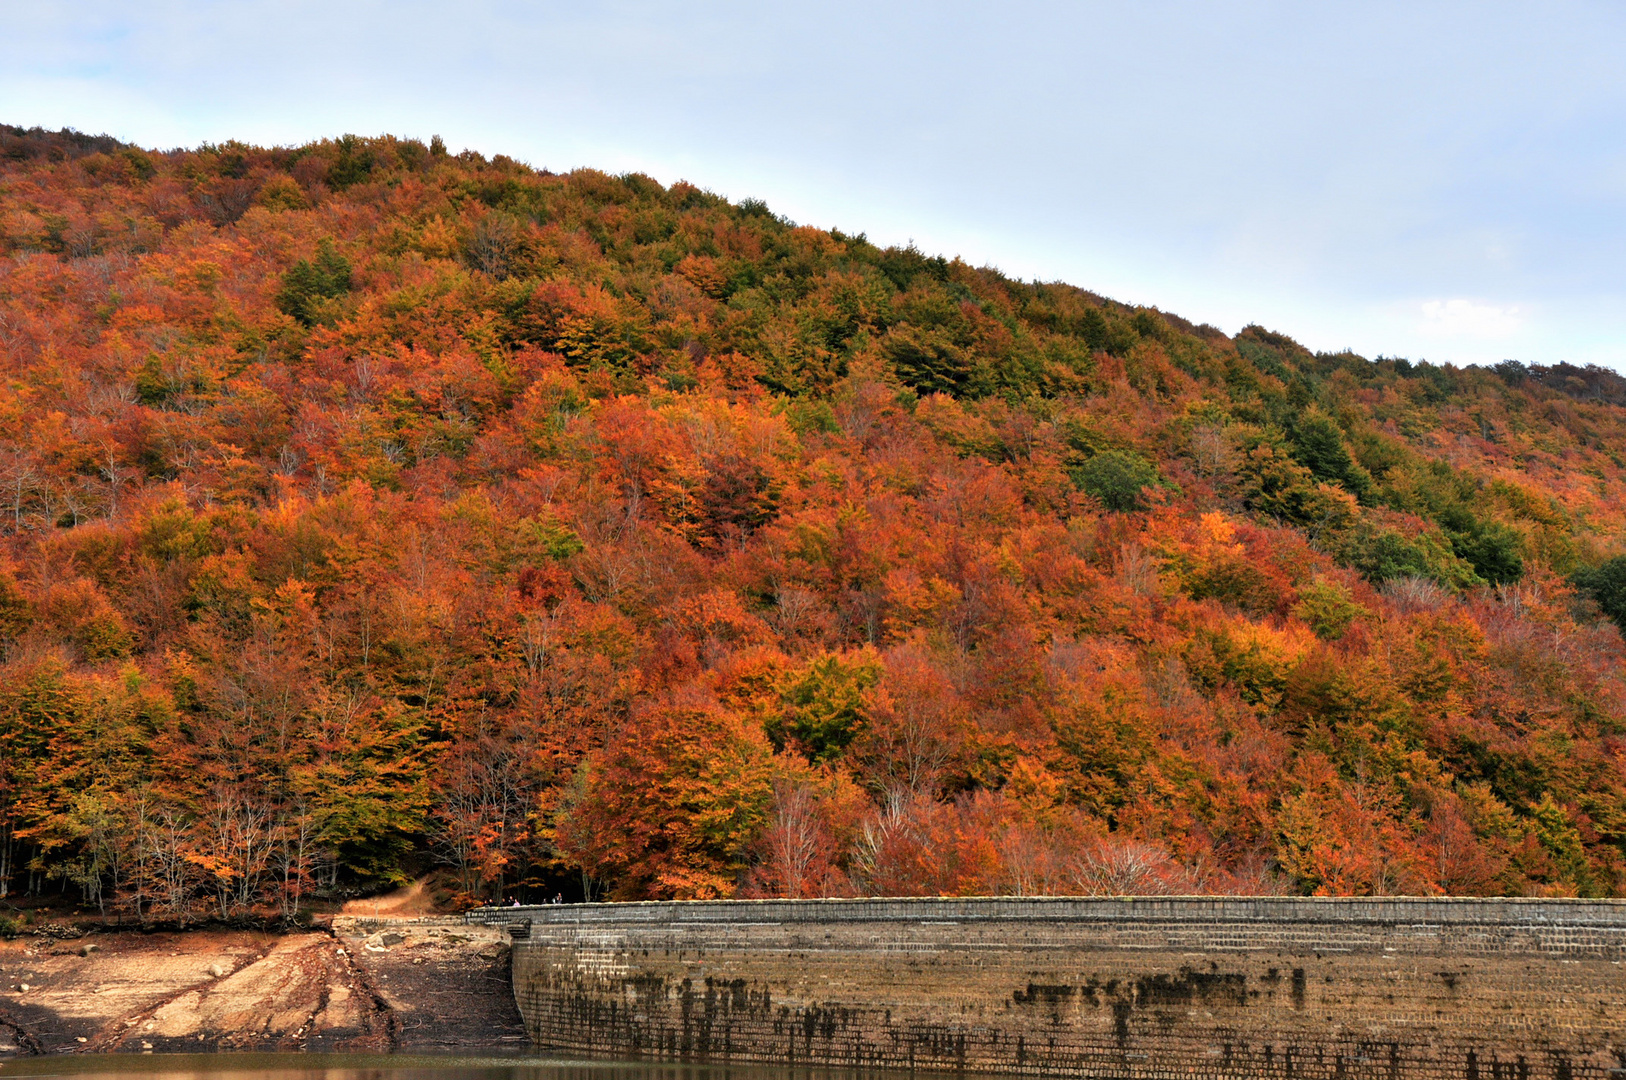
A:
(1289, 988)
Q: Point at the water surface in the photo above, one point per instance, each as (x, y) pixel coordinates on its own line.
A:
(497, 1065)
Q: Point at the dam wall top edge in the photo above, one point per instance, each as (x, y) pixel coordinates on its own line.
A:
(1473, 911)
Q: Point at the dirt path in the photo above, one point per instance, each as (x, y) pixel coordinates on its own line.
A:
(406, 902)
(377, 986)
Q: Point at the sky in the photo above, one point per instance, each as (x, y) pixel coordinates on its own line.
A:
(1441, 181)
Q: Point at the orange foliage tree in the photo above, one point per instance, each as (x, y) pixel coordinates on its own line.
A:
(367, 510)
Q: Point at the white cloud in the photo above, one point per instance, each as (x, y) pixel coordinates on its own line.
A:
(1466, 318)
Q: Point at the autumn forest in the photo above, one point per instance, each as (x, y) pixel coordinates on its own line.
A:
(369, 511)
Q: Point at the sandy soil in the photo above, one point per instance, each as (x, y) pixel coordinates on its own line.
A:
(367, 985)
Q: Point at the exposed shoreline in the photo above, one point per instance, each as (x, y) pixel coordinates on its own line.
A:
(416, 984)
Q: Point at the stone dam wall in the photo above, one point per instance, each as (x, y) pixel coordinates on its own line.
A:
(1134, 988)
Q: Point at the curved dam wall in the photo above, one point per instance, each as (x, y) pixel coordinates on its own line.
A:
(1146, 987)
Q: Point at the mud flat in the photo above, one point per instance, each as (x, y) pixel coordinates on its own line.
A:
(363, 985)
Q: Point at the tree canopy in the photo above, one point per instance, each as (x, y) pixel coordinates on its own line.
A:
(367, 508)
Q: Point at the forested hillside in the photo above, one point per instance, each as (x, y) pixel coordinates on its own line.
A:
(368, 509)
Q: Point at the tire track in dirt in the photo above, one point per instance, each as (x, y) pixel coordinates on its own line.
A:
(445, 983)
(118, 1029)
(25, 1039)
(390, 1035)
(428, 984)
(301, 994)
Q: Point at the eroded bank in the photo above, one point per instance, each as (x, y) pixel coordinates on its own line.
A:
(433, 983)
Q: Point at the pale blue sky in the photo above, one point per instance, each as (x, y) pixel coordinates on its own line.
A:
(1440, 181)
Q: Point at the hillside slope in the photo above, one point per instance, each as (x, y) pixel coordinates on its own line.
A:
(367, 507)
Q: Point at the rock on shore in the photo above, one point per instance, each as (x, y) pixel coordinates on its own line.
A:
(368, 985)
